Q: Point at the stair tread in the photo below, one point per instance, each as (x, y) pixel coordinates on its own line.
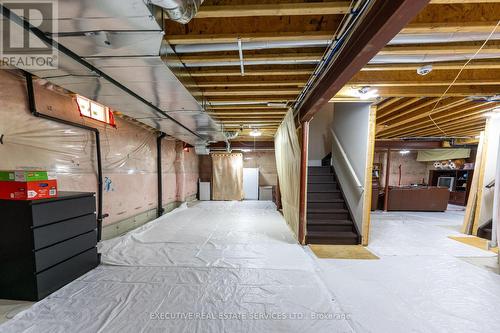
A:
(326, 210)
(312, 221)
(326, 200)
(332, 234)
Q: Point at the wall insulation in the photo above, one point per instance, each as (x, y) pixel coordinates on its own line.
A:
(128, 151)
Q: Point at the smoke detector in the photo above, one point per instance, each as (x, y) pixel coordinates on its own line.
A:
(424, 70)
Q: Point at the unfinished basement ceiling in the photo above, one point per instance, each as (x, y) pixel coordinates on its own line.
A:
(283, 41)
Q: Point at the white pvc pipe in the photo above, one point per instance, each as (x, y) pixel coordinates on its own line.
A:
(240, 52)
(247, 46)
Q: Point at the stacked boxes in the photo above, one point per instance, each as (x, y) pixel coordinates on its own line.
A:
(27, 185)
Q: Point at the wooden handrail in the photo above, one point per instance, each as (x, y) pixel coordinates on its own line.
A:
(346, 161)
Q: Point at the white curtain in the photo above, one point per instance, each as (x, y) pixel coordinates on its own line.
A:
(287, 149)
(227, 176)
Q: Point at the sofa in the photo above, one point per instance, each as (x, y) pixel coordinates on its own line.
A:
(429, 199)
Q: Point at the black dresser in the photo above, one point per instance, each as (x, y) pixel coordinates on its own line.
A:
(45, 244)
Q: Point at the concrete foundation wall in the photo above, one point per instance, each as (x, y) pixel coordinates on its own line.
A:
(128, 151)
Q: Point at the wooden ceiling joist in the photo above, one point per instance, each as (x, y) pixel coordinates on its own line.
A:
(250, 92)
(274, 9)
(455, 65)
(203, 73)
(431, 91)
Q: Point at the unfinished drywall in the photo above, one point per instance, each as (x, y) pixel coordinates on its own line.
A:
(128, 151)
(264, 160)
(320, 136)
(412, 171)
(351, 126)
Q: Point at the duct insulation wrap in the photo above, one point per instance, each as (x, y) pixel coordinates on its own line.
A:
(181, 11)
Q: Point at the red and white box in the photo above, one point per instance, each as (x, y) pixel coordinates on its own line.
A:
(33, 190)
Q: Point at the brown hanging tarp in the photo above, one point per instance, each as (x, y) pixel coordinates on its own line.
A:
(227, 176)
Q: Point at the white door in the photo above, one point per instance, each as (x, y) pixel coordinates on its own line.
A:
(251, 183)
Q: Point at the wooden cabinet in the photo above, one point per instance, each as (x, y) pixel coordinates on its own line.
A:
(46, 244)
(460, 192)
(457, 198)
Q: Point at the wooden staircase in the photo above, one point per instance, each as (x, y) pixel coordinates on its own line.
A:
(328, 218)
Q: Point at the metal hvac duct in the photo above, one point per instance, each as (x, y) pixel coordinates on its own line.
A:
(109, 51)
(181, 11)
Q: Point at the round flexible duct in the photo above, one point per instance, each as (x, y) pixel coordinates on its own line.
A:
(181, 11)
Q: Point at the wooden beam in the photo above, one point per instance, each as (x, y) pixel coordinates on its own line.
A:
(428, 91)
(202, 59)
(476, 64)
(303, 183)
(426, 83)
(400, 144)
(275, 9)
(248, 72)
(448, 2)
(404, 104)
(248, 92)
(387, 179)
(248, 37)
(246, 83)
(383, 20)
(422, 121)
(441, 48)
(421, 110)
(448, 27)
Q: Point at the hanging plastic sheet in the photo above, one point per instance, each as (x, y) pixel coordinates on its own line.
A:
(227, 176)
(287, 148)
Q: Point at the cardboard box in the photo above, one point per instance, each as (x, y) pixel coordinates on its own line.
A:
(12, 190)
(26, 176)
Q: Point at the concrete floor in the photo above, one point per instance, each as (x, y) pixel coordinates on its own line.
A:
(423, 282)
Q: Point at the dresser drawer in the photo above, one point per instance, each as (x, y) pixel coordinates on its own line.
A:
(53, 255)
(57, 232)
(55, 211)
(56, 277)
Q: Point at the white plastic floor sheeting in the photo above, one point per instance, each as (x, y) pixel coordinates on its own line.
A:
(215, 267)
(420, 284)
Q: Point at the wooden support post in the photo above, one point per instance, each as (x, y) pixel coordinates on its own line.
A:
(303, 183)
(367, 201)
(387, 178)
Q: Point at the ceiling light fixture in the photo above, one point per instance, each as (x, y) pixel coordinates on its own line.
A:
(424, 70)
(365, 93)
(255, 132)
(404, 152)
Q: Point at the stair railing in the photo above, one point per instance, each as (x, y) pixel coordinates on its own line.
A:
(345, 161)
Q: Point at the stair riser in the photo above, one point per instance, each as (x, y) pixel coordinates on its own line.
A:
(336, 205)
(319, 171)
(332, 240)
(328, 216)
(320, 178)
(329, 228)
(323, 196)
(321, 187)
